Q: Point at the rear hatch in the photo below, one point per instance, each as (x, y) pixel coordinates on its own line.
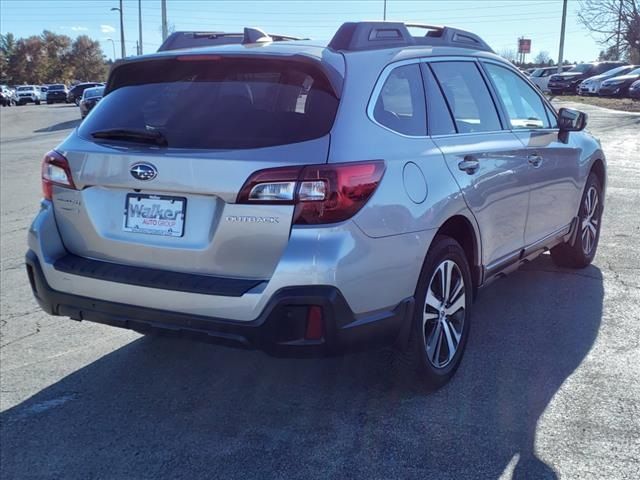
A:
(159, 163)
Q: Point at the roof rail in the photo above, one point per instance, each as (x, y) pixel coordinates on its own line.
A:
(356, 36)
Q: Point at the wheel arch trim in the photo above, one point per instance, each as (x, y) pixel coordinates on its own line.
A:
(458, 227)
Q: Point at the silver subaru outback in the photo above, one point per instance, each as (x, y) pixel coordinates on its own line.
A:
(309, 198)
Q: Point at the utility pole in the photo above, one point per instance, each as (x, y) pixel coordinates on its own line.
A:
(164, 19)
(124, 52)
(140, 26)
(564, 21)
(384, 13)
(122, 49)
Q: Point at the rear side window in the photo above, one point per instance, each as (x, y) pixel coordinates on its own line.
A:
(218, 103)
(400, 105)
(523, 105)
(467, 96)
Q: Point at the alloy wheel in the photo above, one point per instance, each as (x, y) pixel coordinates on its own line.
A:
(444, 313)
(590, 220)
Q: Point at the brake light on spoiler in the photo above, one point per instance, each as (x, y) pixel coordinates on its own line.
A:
(322, 194)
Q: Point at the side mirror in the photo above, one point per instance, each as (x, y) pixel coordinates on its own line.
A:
(570, 120)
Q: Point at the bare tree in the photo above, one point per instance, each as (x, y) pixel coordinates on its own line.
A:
(615, 23)
(609, 53)
(542, 58)
(508, 54)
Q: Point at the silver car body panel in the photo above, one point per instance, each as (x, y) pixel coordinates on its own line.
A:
(220, 237)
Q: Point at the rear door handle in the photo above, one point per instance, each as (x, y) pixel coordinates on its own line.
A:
(535, 159)
(470, 164)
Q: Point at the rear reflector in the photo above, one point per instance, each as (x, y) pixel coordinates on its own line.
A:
(327, 193)
(55, 171)
(315, 327)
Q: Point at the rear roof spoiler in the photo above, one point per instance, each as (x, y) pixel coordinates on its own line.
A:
(186, 39)
(358, 36)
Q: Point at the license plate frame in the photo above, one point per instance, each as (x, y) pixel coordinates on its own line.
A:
(152, 228)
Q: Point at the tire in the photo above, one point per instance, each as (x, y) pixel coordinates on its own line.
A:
(428, 356)
(582, 252)
(37, 102)
(77, 102)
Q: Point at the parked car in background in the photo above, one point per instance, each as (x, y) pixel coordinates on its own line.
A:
(619, 86)
(591, 85)
(540, 76)
(8, 96)
(569, 81)
(29, 94)
(90, 97)
(246, 213)
(634, 90)
(75, 93)
(57, 93)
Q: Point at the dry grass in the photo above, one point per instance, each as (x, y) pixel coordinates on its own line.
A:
(624, 104)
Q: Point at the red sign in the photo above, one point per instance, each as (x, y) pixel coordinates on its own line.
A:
(524, 45)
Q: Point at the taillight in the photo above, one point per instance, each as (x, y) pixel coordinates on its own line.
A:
(327, 193)
(274, 185)
(55, 171)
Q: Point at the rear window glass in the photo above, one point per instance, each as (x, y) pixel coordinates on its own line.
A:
(401, 105)
(214, 103)
(93, 92)
(582, 68)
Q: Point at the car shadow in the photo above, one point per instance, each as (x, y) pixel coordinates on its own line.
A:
(69, 124)
(170, 408)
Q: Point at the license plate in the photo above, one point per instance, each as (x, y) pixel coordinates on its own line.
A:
(155, 214)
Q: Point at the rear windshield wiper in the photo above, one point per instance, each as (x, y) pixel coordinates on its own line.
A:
(153, 137)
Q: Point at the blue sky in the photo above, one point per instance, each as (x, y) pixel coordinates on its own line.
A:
(499, 22)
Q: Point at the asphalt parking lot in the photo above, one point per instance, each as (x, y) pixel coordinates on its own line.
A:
(549, 387)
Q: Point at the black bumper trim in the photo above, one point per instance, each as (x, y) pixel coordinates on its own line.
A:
(279, 330)
(153, 278)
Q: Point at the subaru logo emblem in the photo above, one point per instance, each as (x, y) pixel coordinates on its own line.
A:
(143, 171)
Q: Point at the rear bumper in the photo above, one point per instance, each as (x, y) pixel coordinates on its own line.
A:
(279, 330)
(557, 88)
